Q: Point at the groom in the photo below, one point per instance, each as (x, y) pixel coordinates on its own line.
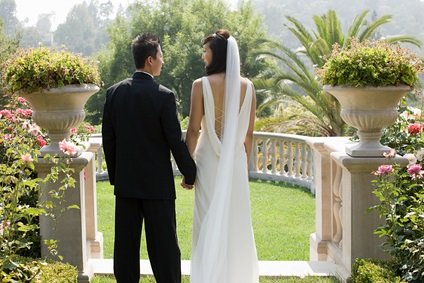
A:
(140, 128)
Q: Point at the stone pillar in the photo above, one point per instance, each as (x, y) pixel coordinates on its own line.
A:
(344, 193)
(319, 241)
(94, 237)
(70, 226)
(358, 222)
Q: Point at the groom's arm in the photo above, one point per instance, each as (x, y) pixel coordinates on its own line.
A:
(172, 129)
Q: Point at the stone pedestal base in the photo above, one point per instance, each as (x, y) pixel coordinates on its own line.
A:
(74, 229)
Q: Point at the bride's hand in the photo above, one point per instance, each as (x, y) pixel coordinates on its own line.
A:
(186, 186)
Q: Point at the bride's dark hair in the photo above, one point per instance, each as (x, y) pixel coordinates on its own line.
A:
(218, 44)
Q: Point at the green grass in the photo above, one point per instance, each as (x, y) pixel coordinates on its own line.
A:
(282, 216)
(185, 279)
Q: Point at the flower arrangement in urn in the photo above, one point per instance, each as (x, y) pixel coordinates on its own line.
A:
(368, 79)
(36, 69)
(371, 63)
(57, 84)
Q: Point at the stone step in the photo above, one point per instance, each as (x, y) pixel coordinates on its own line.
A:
(266, 268)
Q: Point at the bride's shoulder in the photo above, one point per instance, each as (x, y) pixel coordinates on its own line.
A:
(246, 81)
(197, 82)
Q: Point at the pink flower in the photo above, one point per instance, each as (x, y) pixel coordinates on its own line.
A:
(22, 100)
(74, 130)
(390, 154)
(90, 129)
(26, 158)
(3, 226)
(34, 130)
(24, 112)
(6, 113)
(414, 129)
(383, 170)
(8, 137)
(415, 171)
(41, 141)
(67, 148)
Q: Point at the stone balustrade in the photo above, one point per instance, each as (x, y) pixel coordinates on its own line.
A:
(344, 228)
(282, 157)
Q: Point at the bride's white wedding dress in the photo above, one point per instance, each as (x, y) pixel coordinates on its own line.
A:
(223, 243)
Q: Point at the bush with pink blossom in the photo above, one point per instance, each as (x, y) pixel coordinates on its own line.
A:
(401, 194)
(20, 143)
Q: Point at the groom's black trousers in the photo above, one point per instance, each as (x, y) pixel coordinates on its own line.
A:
(161, 238)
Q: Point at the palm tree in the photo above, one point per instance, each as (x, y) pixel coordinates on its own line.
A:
(297, 80)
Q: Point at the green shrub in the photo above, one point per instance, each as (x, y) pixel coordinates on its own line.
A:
(39, 68)
(57, 272)
(373, 271)
(22, 269)
(370, 63)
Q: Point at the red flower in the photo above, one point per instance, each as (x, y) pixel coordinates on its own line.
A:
(41, 141)
(414, 129)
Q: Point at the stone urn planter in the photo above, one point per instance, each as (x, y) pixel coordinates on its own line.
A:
(369, 79)
(57, 84)
(368, 109)
(57, 110)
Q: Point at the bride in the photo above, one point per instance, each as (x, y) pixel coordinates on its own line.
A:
(223, 107)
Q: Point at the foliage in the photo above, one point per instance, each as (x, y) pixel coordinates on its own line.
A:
(373, 271)
(84, 30)
(296, 78)
(370, 63)
(8, 46)
(401, 194)
(34, 69)
(20, 142)
(181, 25)
(397, 135)
(37, 271)
(50, 271)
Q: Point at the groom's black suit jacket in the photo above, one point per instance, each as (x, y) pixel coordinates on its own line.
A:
(140, 130)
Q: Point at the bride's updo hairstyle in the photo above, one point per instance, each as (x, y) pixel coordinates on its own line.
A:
(218, 44)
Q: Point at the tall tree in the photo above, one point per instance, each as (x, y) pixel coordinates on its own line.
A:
(181, 24)
(84, 30)
(297, 80)
(8, 46)
(8, 17)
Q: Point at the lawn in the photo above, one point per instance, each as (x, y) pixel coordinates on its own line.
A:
(186, 279)
(282, 215)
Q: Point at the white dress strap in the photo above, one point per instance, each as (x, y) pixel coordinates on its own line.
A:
(209, 107)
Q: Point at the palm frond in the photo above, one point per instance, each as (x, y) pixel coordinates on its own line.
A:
(371, 29)
(299, 30)
(404, 39)
(354, 29)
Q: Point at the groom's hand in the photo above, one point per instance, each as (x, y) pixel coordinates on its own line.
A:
(186, 186)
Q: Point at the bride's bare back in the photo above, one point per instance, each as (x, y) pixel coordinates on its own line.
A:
(217, 82)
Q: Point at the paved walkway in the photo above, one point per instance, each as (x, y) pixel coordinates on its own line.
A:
(266, 268)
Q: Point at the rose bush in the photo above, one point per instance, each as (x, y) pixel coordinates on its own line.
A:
(20, 143)
(401, 194)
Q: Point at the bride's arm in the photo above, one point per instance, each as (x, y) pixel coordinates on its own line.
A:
(196, 115)
(249, 136)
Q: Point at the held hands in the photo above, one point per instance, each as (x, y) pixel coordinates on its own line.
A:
(186, 186)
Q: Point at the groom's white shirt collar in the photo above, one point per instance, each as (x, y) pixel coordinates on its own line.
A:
(137, 71)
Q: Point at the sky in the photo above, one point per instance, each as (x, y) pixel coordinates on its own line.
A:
(28, 10)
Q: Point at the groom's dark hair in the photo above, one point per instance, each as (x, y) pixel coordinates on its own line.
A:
(144, 46)
(218, 44)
